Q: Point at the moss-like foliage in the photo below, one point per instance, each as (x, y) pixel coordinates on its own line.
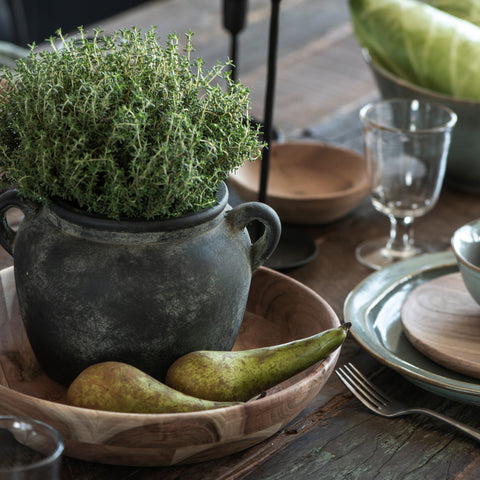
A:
(123, 127)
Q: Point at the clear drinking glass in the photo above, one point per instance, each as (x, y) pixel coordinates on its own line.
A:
(29, 450)
(406, 146)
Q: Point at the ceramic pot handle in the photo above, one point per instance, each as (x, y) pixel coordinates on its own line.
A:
(244, 214)
(10, 199)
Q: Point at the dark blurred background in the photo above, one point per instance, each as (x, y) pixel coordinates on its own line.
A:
(25, 21)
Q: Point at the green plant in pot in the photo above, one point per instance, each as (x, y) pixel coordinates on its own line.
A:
(117, 148)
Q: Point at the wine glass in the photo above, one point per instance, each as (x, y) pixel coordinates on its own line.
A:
(29, 449)
(406, 146)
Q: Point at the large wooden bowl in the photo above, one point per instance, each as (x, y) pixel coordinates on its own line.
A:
(279, 309)
(308, 183)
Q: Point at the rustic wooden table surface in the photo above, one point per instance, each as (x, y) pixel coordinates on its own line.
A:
(335, 437)
(321, 83)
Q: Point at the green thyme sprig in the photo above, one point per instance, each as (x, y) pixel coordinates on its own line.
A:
(122, 126)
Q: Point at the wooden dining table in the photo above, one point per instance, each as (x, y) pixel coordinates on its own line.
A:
(335, 437)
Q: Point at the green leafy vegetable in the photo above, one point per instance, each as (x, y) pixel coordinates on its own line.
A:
(467, 9)
(421, 44)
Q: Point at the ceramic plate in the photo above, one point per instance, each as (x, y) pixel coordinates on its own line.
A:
(373, 308)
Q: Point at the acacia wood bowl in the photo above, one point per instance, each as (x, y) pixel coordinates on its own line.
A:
(279, 310)
(309, 182)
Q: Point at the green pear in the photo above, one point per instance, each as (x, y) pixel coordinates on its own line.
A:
(120, 387)
(240, 375)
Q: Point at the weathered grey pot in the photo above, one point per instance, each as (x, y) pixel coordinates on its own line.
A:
(142, 292)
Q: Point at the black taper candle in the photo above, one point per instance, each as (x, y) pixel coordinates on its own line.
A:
(269, 98)
(234, 13)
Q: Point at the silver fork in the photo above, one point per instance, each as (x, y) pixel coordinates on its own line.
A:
(374, 399)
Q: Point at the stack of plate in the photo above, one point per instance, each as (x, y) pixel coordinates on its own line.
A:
(418, 318)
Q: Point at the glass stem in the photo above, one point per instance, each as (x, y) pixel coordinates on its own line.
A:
(401, 234)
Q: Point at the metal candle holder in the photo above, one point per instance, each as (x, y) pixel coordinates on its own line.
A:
(234, 14)
(295, 248)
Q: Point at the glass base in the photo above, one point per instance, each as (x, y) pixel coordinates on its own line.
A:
(376, 255)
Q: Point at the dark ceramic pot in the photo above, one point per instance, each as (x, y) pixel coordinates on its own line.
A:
(143, 292)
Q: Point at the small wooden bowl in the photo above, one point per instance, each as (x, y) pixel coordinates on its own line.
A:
(309, 182)
(279, 310)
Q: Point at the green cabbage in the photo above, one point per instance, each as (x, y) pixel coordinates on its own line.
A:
(421, 44)
(466, 9)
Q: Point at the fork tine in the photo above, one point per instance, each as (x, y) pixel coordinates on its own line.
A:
(368, 385)
(357, 389)
(364, 390)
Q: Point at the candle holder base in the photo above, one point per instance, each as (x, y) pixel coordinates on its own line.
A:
(294, 250)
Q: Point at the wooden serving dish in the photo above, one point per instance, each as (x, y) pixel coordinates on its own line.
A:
(309, 182)
(279, 310)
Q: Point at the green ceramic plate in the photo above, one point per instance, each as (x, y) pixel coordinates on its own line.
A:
(373, 308)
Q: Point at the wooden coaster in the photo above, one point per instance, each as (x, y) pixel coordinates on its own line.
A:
(442, 321)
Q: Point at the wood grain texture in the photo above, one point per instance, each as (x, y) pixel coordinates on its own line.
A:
(309, 182)
(442, 320)
(279, 310)
(335, 437)
(320, 74)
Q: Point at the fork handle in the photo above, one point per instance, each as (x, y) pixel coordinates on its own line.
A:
(471, 432)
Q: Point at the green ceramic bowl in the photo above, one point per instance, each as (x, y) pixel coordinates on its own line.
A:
(466, 246)
(463, 168)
